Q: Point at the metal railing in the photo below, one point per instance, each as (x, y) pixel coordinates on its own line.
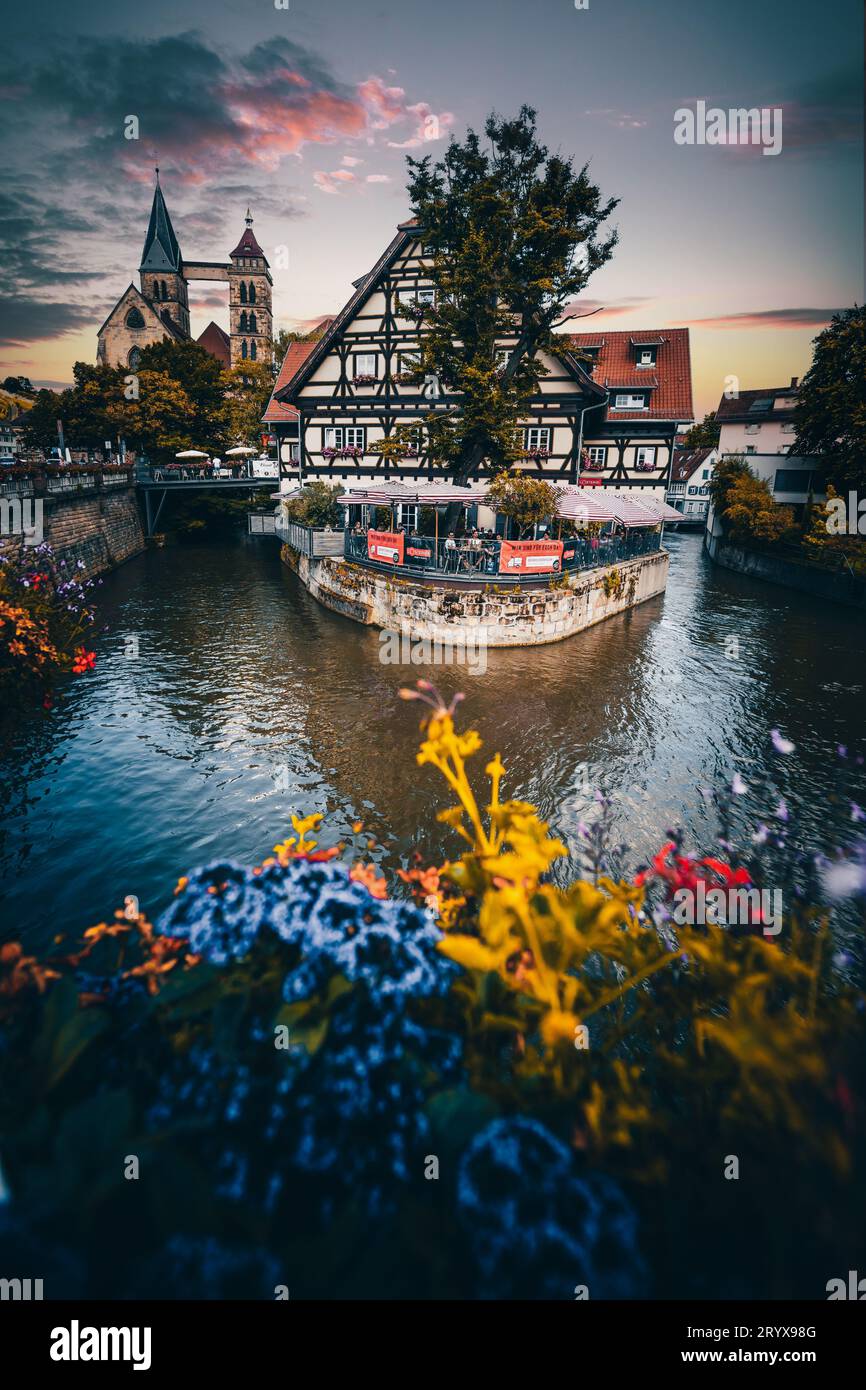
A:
(308, 540)
(468, 561)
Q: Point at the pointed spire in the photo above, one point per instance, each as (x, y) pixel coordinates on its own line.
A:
(161, 249)
(248, 246)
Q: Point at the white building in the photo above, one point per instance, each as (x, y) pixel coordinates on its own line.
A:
(689, 491)
(760, 426)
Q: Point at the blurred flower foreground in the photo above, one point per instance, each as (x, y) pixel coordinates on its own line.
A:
(498, 1084)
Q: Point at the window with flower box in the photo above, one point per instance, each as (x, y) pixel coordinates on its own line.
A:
(645, 458)
(365, 368)
(345, 441)
(595, 458)
(536, 441)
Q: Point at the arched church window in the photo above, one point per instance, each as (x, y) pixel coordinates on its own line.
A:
(242, 325)
(253, 328)
(243, 292)
(244, 349)
(135, 319)
(252, 293)
(253, 351)
(134, 358)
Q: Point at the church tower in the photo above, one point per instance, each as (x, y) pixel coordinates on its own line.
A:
(250, 318)
(162, 277)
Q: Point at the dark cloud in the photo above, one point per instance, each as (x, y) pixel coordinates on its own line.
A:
(768, 318)
(33, 320)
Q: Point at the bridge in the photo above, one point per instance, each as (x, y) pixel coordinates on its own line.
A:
(155, 484)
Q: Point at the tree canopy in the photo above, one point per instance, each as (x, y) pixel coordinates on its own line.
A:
(745, 503)
(704, 435)
(831, 402)
(513, 232)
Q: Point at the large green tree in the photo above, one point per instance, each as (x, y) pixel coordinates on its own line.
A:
(202, 379)
(831, 401)
(248, 390)
(514, 236)
(746, 505)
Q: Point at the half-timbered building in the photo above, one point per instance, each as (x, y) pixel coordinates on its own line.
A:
(361, 380)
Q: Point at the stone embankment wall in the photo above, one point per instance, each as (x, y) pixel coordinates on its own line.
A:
(834, 586)
(507, 616)
(103, 529)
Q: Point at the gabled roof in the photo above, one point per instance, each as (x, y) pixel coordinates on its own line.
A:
(161, 249)
(217, 342)
(688, 461)
(140, 301)
(406, 233)
(281, 411)
(364, 288)
(670, 380)
(741, 410)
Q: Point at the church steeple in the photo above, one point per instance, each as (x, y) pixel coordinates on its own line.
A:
(161, 249)
(163, 282)
(251, 326)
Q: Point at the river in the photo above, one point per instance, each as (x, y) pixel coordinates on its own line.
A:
(224, 698)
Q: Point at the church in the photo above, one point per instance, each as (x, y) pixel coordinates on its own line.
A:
(160, 308)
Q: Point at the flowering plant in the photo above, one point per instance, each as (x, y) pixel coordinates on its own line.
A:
(45, 613)
(292, 1050)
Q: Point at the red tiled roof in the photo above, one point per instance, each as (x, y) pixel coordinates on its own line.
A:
(217, 342)
(672, 400)
(686, 462)
(247, 246)
(279, 411)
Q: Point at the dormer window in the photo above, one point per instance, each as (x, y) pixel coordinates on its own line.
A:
(629, 400)
(646, 351)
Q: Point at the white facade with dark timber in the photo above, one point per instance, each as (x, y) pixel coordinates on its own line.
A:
(355, 386)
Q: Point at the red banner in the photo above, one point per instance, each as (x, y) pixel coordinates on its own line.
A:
(530, 557)
(386, 546)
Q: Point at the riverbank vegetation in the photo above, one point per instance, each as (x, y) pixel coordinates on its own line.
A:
(45, 622)
(826, 534)
(507, 1075)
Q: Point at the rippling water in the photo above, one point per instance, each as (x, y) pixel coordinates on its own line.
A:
(248, 701)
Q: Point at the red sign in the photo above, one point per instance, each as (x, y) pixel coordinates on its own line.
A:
(530, 557)
(386, 546)
(590, 481)
(419, 552)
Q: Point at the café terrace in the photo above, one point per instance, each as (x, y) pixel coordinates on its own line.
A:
(591, 529)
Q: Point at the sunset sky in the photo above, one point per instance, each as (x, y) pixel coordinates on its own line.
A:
(307, 114)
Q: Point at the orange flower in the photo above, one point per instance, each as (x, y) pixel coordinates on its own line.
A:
(374, 882)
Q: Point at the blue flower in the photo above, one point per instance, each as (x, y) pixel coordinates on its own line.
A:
(218, 912)
(538, 1230)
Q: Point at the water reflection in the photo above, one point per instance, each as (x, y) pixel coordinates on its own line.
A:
(247, 700)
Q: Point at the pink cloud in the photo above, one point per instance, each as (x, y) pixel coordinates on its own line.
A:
(330, 183)
(378, 178)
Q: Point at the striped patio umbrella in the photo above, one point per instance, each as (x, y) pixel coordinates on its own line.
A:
(584, 504)
(661, 510)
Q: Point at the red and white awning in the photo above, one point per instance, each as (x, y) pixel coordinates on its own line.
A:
(424, 494)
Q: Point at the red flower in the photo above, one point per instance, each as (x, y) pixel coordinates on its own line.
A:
(84, 661)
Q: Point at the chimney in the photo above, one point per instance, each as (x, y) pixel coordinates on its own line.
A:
(794, 381)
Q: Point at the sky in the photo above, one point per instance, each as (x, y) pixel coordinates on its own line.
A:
(307, 114)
